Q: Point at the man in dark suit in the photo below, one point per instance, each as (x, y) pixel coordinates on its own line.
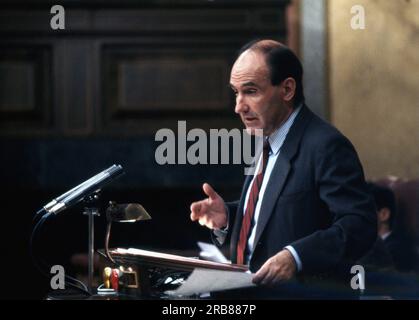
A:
(392, 261)
(389, 243)
(307, 210)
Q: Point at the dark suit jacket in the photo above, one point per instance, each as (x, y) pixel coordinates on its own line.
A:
(403, 252)
(378, 259)
(316, 201)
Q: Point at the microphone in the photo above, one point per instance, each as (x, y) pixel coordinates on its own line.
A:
(128, 212)
(53, 202)
(86, 188)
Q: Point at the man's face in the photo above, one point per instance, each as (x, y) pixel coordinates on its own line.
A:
(259, 103)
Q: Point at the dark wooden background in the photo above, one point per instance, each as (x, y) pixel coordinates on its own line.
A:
(75, 101)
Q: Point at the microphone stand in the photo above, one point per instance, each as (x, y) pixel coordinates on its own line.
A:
(91, 211)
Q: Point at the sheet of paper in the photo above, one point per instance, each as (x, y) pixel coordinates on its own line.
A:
(212, 253)
(205, 280)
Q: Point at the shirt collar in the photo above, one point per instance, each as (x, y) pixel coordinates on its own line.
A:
(277, 138)
(385, 235)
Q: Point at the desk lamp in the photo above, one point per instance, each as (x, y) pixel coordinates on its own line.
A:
(130, 212)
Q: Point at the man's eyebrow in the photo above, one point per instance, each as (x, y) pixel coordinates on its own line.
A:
(246, 84)
(249, 84)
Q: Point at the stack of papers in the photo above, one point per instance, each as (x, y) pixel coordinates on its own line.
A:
(205, 280)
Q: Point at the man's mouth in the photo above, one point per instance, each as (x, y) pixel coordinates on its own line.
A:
(250, 119)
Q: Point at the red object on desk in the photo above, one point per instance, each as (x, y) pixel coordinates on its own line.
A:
(115, 279)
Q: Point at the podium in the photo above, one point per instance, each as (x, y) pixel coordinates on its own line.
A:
(142, 263)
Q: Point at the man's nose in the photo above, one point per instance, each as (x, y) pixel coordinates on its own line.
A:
(240, 104)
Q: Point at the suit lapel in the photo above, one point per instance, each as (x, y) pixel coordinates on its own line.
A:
(281, 170)
(273, 190)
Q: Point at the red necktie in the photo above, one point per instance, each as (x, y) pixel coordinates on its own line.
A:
(251, 205)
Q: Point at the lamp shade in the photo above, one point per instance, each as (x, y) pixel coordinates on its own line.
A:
(128, 212)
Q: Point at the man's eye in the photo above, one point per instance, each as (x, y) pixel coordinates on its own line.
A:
(250, 91)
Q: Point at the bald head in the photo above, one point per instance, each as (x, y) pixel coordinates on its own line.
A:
(263, 46)
(279, 60)
(251, 62)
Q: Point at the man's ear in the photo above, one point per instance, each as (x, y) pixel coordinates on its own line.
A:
(288, 89)
(384, 214)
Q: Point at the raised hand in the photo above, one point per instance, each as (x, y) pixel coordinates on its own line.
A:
(210, 212)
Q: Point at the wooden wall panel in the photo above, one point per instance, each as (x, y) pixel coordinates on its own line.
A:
(180, 81)
(25, 92)
(124, 69)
